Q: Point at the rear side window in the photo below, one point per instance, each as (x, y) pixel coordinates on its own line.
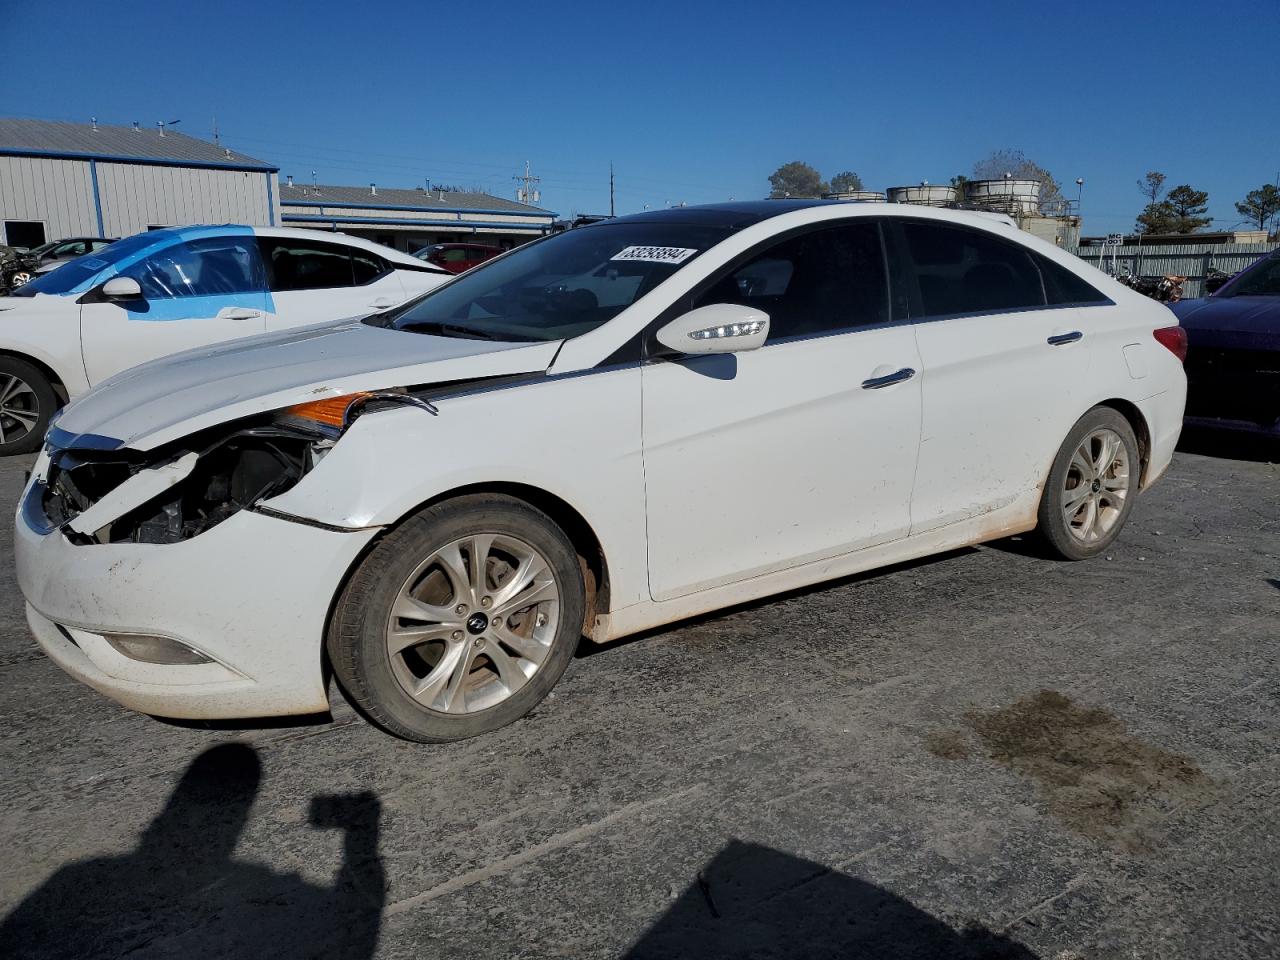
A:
(816, 282)
(306, 264)
(960, 270)
(366, 267)
(207, 267)
(1062, 287)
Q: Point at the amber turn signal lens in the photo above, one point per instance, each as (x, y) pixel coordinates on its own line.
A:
(331, 411)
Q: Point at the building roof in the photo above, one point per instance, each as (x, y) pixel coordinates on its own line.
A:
(54, 138)
(398, 198)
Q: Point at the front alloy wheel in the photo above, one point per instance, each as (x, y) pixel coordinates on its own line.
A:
(473, 623)
(460, 620)
(27, 403)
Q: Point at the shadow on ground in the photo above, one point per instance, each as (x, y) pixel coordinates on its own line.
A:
(754, 901)
(1229, 445)
(181, 894)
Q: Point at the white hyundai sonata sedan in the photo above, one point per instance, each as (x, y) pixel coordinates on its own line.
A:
(607, 430)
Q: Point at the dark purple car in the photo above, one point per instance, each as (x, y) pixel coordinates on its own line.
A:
(1233, 351)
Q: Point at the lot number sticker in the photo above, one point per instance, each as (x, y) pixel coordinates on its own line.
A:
(655, 254)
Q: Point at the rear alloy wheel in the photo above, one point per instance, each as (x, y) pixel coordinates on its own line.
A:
(27, 402)
(1091, 486)
(460, 621)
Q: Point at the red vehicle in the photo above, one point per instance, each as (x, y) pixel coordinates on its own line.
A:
(457, 257)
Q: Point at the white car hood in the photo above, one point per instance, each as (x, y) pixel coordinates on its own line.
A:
(166, 399)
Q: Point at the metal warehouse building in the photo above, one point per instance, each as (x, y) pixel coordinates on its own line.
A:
(71, 179)
(411, 219)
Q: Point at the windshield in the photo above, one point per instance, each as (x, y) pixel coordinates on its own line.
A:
(560, 287)
(70, 277)
(1260, 280)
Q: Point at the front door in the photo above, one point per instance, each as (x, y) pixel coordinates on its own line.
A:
(804, 449)
(194, 292)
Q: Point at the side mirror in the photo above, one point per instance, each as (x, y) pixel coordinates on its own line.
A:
(717, 328)
(122, 288)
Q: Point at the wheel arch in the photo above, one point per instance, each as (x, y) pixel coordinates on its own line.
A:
(1141, 430)
(55, 380)
(586, 543)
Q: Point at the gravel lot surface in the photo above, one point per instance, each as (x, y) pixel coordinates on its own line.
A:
(987, 754)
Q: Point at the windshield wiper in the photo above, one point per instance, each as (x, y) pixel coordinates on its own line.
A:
(449, 330)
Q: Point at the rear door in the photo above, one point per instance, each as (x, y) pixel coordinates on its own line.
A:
(1005, 369)
(804, 449)
(314, 280)
(194, 292)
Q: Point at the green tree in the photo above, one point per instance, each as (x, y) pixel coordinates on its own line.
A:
(846, 182)
(1018, 164)
(1156, 217)
(1189, 207)
(1261, 205)
(797, 179)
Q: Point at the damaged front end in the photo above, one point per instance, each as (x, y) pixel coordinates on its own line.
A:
(179, 491)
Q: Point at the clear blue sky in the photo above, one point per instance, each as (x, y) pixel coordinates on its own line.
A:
(691, 102)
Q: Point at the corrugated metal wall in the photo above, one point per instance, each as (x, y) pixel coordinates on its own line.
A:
(1190, 260)
(57, 192)
(133, 196)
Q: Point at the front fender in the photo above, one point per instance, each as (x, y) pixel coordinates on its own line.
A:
(575, 437)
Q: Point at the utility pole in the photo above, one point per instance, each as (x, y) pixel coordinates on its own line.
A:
(526, 194)
(611, 188)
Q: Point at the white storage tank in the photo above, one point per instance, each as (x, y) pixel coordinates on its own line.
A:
(1007, 194)
(924, 194)
(856, 196)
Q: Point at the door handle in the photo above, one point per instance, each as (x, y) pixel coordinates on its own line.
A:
(1058, 339)
(888, 380)
(239, 313)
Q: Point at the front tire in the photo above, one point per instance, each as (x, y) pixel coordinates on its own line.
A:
(460, 620)
(27, 403)
(1091, 487)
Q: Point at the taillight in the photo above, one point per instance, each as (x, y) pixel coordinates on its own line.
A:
(1175, 338)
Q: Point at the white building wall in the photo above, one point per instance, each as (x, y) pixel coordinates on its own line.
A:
(136, 196)
(57, 192)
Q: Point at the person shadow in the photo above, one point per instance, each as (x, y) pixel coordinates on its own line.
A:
(754, 901)
(181, 893)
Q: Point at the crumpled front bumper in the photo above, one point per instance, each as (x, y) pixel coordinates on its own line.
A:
(252, 593)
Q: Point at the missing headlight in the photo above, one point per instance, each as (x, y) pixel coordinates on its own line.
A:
(246, 467)
(235, 468)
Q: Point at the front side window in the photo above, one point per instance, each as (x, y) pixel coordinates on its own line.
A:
(961, 270)
(1260, 280)
(563, 286)
(306, 264)
(816, 282)
(206, 267)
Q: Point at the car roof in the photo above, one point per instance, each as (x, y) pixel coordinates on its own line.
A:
(737, 215)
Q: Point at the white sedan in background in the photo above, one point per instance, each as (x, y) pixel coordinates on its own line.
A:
(601, 432)
(169, 290)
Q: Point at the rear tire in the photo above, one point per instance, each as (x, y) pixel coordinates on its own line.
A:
(460, 620)
(1091, 487)
(27, 403)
